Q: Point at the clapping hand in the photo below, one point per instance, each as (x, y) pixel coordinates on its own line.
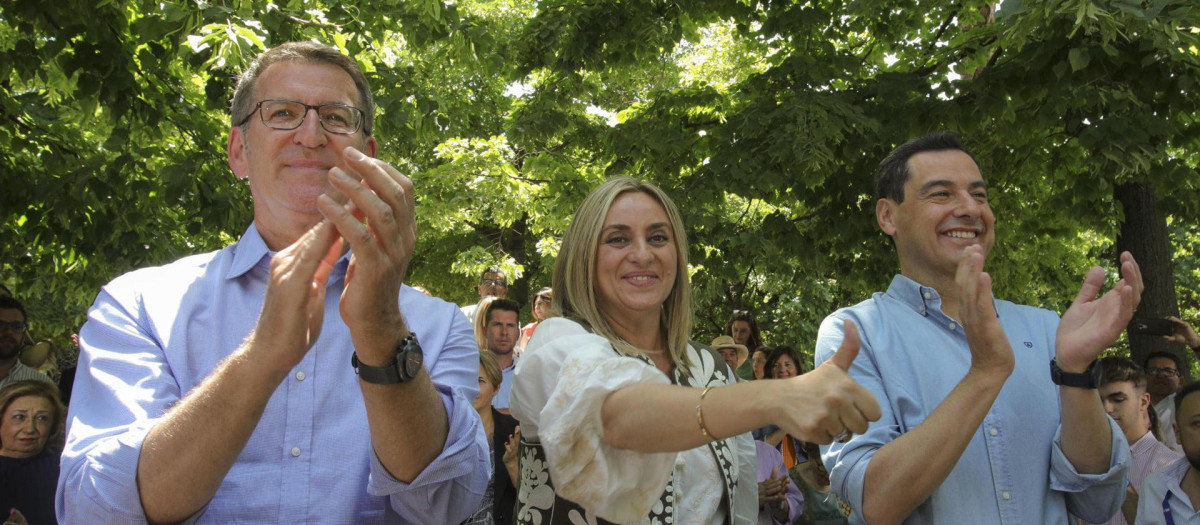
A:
(1092, 323)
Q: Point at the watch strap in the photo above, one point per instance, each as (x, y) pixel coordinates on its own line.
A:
(1087, 379)
(391, 373)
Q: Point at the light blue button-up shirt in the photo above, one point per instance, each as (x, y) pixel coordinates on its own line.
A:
(1162, 489)
(1013, 471)
(154, 334)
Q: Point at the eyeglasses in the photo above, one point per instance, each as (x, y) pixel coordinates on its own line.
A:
(1162, 371)
(12, 325)
(290, 114)
(493, 282)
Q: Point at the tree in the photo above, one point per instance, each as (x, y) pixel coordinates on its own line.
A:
(764, 120)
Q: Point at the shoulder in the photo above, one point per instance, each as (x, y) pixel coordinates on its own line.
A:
(503, 422)
(560, 326)
(1162, 477)
(170, 278)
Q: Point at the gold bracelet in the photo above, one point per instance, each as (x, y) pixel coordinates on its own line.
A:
(700, 415)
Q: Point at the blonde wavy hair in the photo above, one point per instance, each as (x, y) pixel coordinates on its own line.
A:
(574, 281)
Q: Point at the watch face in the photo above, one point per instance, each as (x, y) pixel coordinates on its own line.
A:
(412, 363)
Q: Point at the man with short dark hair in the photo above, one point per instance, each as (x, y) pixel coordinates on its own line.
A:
(492, 283)
(1164, 371)
(1171, 495)
(13, 326)
(1123, 392)
(974, 429)
(291, 377)
(502, 327)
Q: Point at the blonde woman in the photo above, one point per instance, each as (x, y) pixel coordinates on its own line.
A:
(622, 420)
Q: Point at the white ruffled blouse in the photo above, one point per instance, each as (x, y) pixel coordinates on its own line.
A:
(561, 382)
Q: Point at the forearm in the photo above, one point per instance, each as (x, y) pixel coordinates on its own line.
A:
(905, 472)
(662, 418)
(1086, 435)
(186, 456)
(408, 424)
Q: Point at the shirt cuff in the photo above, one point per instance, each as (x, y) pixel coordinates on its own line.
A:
(1064, 477)
(455, 480)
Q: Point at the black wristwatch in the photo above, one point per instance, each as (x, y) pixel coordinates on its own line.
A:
(1088, 379)
(404, 366)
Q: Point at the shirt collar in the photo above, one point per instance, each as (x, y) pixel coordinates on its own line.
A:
(1143, 443)
(247, 253)
(251, 251)
(923, 299)
(911, 293)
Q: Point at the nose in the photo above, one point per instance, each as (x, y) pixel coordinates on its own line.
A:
(310, 134)
(641, 253)
(968, 206)
(1108, 407)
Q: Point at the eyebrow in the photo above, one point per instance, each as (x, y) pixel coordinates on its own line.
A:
(654, 226)
(943, 182)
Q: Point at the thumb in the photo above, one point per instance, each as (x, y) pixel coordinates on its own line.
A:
(774, 472)
(846, 353)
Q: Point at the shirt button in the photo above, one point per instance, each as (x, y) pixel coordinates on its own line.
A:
(927, 295)
(300, 376)
(1005, 495)
(922, 309)
(952, 326)
(296, 454)
(994, 431)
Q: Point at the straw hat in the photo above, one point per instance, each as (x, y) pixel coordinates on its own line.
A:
(725, 341)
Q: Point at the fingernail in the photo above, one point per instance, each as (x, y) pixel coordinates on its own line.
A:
(354, 154)
(339, 173)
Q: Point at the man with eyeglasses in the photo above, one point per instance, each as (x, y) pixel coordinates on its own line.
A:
(12, 339)
(492, 283)
(1163, 380)
(283, 379)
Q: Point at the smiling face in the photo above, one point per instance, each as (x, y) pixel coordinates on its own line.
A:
(636, 259)
(25, 427)
(784, 367)
(288, 169)
(945, 209)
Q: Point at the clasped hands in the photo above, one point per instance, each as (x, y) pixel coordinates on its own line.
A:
(372, 210)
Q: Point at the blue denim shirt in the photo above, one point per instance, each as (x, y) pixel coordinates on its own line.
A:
(154, 334)
(1013, 471)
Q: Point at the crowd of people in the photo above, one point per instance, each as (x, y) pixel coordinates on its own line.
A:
(295, 376)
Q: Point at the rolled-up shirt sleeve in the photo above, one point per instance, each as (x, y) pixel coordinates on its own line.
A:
(847, 462)
(560, 384)
(1093, 497)
(123, 387)
(452, 485)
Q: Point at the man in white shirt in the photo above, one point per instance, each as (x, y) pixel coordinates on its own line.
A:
(1171, 495)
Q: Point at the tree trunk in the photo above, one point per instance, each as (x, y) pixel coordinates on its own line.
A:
(1144, 234)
